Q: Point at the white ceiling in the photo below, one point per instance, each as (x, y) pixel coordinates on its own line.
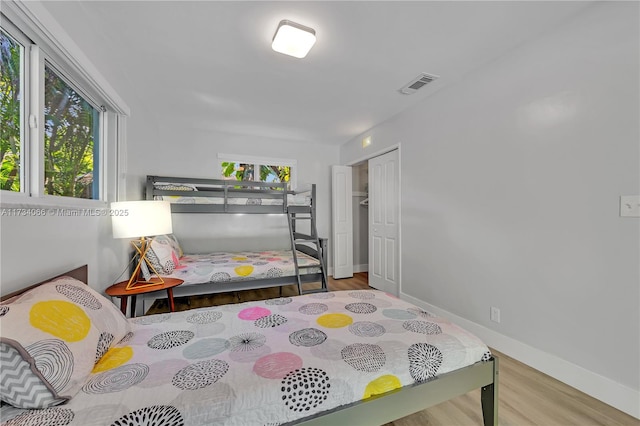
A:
(209, 65)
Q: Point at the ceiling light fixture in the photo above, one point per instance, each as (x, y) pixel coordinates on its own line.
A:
(293, 39)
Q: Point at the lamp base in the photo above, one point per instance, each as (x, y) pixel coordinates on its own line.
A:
(135, 282)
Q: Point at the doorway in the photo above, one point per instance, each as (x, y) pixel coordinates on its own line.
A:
(369, 199)
(360, 211)
(384, 222)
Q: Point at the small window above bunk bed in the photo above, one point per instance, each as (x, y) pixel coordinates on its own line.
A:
(257, 169)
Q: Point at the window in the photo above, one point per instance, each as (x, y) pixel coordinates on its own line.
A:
(71, 140)
(257, 169)
(11, 112)
(53, 126)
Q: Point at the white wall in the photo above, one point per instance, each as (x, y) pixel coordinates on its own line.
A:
(510, 186)
(35, 248)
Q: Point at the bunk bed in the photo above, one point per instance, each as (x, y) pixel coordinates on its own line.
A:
(302, 265)
(238, 364)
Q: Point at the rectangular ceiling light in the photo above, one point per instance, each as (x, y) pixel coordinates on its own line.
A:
(293, 39)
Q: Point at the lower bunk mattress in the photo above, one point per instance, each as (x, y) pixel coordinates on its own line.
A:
(238, 266)
(265, 362)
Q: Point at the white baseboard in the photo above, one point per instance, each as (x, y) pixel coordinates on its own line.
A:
(361, 268)
(356, 268)
(602, 388)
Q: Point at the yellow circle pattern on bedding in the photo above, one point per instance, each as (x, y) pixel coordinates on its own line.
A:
(114, 357)
(62, 319)
(244, 271)
(381, 385)
(334, 320)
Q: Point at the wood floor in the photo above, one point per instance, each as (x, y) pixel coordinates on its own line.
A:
(526, 396)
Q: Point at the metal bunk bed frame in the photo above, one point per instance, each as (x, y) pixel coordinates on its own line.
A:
(227, 190)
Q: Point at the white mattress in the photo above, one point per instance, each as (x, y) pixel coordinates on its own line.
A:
(263, 363)
(238, 266)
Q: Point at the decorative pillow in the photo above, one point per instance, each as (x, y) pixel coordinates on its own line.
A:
(173, 241)
(164, 254)
(172, 187)
(52, 336)
(175, 187)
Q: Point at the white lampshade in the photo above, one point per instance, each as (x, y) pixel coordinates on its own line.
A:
(134, 219)
(293, 39)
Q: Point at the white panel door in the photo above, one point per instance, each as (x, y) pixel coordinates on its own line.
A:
(342, 221)
(384, 201)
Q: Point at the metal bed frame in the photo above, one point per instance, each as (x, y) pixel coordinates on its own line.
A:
(398, 403)
(407, 400)
(226, 191)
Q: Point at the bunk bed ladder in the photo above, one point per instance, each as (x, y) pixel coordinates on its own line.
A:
(294, 215)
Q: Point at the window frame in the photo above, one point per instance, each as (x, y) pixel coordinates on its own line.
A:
(45, 42)
(25, 110)
(258, 161)
(48, 62)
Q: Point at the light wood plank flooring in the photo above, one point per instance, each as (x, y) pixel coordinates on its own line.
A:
(526, 396)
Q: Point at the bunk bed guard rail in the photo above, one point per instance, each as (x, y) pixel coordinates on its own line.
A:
(194, 195)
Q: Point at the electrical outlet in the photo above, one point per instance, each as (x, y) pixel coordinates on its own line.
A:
(495, 314)
(630, 206)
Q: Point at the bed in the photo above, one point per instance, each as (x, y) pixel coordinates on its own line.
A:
(203, 195)
(347, 357)
(204, 273)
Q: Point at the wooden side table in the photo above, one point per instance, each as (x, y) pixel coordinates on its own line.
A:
(119, 290)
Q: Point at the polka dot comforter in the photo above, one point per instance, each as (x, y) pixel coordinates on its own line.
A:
(264, 363)
(237, 266)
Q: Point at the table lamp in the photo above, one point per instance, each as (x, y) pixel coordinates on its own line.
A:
(141, 219)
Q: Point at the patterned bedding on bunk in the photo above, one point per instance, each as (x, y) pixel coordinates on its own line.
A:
(264, 363)
(302, 198)
(235, 266)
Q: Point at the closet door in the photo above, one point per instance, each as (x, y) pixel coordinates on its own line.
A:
(384, 201)
(342, 221)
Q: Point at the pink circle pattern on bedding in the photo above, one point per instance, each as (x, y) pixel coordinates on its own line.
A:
(277, 365)
(252, 314)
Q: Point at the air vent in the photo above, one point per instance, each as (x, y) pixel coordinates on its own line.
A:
(417, 83)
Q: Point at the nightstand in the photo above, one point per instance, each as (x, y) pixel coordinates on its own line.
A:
(119, 290)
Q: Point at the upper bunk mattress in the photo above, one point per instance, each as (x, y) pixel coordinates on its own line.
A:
(238, 266)
(195, 196)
